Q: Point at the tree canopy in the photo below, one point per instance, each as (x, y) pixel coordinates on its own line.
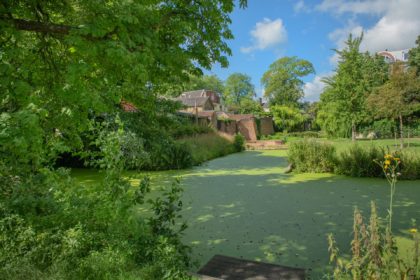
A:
(344, 98)
(282, 81)
(210, 82)
(238, 87)
(65, 67)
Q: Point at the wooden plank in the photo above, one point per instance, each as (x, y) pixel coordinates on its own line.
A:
(229, 268)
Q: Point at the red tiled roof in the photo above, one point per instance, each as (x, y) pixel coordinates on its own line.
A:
(128, 107)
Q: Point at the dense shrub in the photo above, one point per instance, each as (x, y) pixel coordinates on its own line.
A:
(239, 142)
(359, 161)
(382, 128)
(312, 156)
(410, 165)
(53, 228)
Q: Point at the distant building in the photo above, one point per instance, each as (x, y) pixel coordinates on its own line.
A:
(201, 99)
(395, 56)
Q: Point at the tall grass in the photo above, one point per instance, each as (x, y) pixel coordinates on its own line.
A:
(207, 146)
(357, 160)
(312, 156)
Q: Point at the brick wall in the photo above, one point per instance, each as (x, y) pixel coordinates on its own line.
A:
(248, 128)
(266, 126)
(228, 127)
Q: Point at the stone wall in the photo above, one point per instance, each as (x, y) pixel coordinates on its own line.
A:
(266, 126)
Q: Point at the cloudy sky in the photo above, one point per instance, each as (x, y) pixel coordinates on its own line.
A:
(310, 29)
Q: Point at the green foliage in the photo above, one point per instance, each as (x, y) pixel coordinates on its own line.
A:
(239, 142)
(360, 162)
(68, 231)
(248, 106)
(204, 147)
(312, 156)
(209, 82)
(238, 87)
(64, 65)
(282, 81)
(343, 103)
(414, 56)
(287, 118)
(382, 128)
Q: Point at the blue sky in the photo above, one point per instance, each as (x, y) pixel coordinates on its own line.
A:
(309, 29)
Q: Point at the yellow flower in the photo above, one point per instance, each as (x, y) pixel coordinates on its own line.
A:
(413, 230)
(387, 156)
(387, 162)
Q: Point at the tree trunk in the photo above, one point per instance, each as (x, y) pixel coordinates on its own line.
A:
(353, 132)
(401, 132)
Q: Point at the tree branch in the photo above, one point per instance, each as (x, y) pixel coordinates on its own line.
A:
(30, 25)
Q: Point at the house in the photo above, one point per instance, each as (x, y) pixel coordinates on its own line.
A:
(196, 104)
(394, 56)
(201, 100)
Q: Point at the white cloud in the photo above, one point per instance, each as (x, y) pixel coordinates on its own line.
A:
(300, 6)
(355, 7)
(397, 28)
(266, 34)
(314, 88)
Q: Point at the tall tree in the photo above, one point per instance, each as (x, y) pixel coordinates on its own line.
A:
(394, 99)
(414, 56)
(282, 81)
(356, 76)
(238, 86)
(61, 64)
(210, 82)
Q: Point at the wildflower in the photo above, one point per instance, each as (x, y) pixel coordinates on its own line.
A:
(387, 162)
(413, 230)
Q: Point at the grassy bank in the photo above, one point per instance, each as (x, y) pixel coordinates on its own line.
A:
(208, 146)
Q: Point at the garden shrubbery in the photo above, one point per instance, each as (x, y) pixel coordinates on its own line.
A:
(51, 227)
(239, 142)
(310, 155)
(360, 162)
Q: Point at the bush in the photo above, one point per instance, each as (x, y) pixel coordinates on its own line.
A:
(312, 156)
(359, 161)
(239, 142)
